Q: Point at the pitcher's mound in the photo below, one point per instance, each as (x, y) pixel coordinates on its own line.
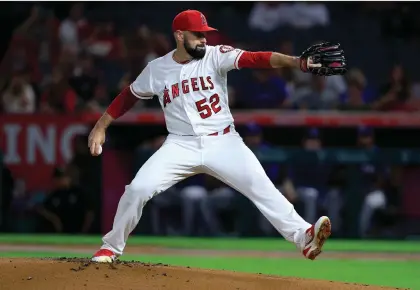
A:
(80, 274)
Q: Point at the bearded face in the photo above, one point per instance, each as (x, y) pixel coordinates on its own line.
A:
(195, 44)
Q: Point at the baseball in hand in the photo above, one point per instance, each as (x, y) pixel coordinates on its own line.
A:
(98, 149)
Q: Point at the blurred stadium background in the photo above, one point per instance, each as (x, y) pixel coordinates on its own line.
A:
(342, 146)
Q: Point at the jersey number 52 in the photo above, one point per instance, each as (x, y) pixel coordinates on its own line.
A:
(206, 109)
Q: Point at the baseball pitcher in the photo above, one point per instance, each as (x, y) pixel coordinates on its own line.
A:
(191, 84)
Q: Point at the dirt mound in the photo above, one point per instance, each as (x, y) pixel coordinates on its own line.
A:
(79, 274)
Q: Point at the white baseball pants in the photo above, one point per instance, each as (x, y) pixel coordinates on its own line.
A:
(225, 157)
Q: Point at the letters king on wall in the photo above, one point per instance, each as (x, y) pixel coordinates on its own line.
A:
(33, 145)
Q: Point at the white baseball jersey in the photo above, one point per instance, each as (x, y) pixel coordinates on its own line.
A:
(194, 95)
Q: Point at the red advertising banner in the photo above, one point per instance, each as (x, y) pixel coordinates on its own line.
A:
(33, 145)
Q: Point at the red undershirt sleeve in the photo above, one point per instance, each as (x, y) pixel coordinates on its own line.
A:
(122, 103)
(256, 60)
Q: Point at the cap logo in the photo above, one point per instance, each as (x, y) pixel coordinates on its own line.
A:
(203, 20)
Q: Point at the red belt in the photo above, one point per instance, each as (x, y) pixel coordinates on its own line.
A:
(225, 131)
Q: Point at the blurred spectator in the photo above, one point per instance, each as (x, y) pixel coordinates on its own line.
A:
(298, 82)
(312, 139)
(334, 199)
(381, 211)
(218, 197)
(143, 46)
(370, 170)
(17, 59)
(310, 180)
(395, 92)
(85, 79)
(19, 97)
(104, 42)
(307, 14)
(40, 34)
(320, 97)
(366, 138)
(336, 84)
(75, 28)
(386, 219)
(374, 200)
(66, 63)
(353, 99)
(266, 91)
(66, 209)
(358, 96)
(34, 46)
(296, 79)
(59, 97)
(139, 49)
(373, 176)
(161, 44)
(253, 137)
(190, 198)
(267, 16)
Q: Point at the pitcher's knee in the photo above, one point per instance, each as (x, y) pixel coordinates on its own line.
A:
(140, 192)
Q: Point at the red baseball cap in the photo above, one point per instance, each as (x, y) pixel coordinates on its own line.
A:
(191, 20)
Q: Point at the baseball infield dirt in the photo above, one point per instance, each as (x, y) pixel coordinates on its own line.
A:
(80, 274)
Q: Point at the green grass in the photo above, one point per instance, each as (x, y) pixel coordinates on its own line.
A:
(273, 244)
(385, 273)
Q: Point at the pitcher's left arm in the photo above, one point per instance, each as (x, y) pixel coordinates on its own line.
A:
(323, 59)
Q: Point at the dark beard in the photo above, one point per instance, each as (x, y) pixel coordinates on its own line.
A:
(197, 53)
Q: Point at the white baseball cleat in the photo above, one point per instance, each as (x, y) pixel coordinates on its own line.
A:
(104, 256)
(317, 235)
